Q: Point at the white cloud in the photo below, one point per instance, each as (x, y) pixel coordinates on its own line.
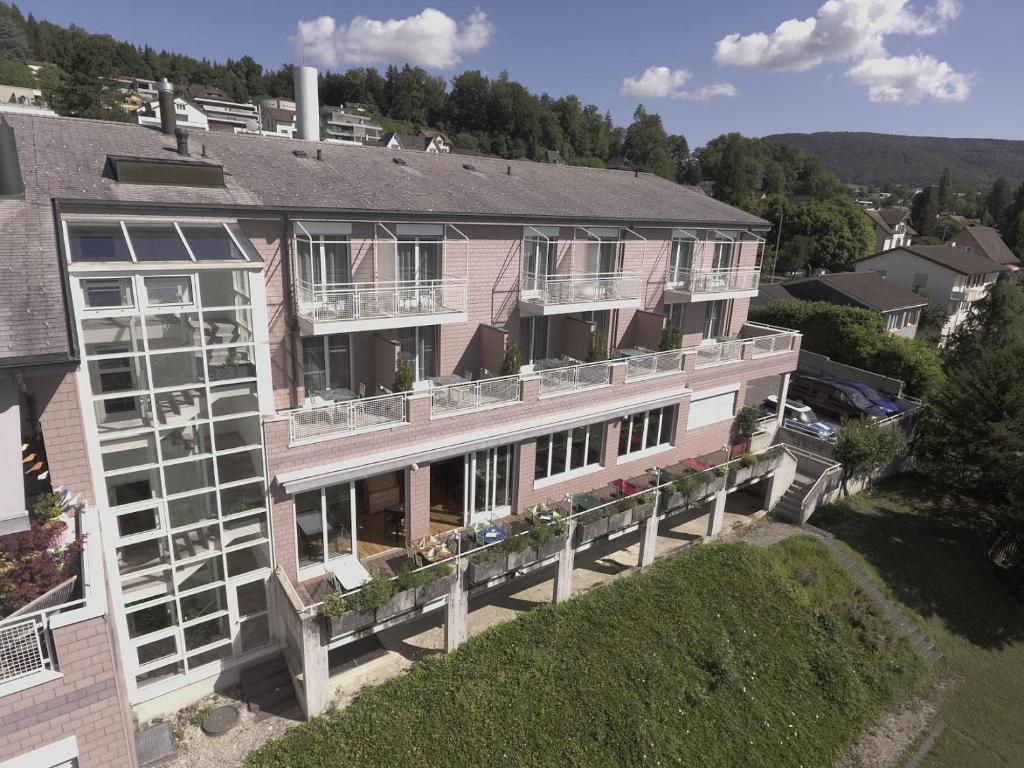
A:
(909, 79)
(665, 83)
(428, 39)
(855, 30)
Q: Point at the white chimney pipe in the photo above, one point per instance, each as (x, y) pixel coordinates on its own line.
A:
(307, 103)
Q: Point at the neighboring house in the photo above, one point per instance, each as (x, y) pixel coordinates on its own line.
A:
(146, 89)
(892, 227)
(187, 114)
(553, 157)
(15, 98)
(899, 308)
(387, 141)
(219, 383)
(957, 276)
(988, 242)
(222, 113)
(349, 125)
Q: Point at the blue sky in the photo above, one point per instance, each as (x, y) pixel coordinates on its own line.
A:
(926, 67)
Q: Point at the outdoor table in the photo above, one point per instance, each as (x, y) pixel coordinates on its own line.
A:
(490, 535)
(586, 501)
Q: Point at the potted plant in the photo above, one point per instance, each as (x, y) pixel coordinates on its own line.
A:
(343, 615)
(513, 361)
(742, 469)
(621, 514)
(547, 539)
(592, 524)
(519, 552)
(404, 377)
(387, 597)
(671, 338)
(487, 563)
(437, 584)
(644, 506)
(49, 511)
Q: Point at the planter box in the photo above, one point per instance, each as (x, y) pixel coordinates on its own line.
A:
(400, 603)
(348, 622)
(619, 520)
(479, 572)
(588, 531)
(519, 559)
(552, 547)
(740, 474)
(228, 372)
(642, 512)
(434, 590)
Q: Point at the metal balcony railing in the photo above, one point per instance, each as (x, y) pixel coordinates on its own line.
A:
(347, 416)
(643, 367)
(325, 302)
(474, 395)
(714, 280)
(574, 378)
(718, 353)
(581, 288)
(769, 345)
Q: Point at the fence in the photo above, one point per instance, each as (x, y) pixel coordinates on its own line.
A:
(574, 378)
(582, 287)
(722, 352)
(363, 301)
(474, 395)
(26, 641)
(347, 416)
(715, 280)
(655, 364)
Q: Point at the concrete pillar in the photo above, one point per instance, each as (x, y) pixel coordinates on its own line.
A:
(564, 566)
(417, 503)
(649, 540)
(456, 616)
(717, 518)
(315, 667)
(783, 393)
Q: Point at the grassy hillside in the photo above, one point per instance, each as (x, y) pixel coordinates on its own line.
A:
(877, 158)
(730, 656)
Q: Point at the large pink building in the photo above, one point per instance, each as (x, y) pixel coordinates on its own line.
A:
(206, 335)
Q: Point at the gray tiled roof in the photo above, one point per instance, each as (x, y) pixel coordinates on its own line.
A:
(887, 218)
(959, 260)
(865, 289)
(987, 242)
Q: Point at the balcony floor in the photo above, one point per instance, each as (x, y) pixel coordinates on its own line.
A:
(680, 296)
(538, 308)
(311, 327)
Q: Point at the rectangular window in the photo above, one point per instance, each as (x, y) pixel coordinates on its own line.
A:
(568, 451)
(211, 243)
(649, 429)
(168, 291)
(323, 524)
(108, 294)
(681, 260)
(533, 338)
(157, 242)
(325, 362)
(97, 242)
(717, 317)
(172, 331)
(418, 347)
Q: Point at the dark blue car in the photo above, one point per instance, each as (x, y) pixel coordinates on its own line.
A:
(872, 394)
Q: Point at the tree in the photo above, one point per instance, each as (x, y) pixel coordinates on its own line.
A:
(1014, 235)
(932, 320)
(13, 42)
(995, 321)
(925, 211)
(840, 231)
(679, 153)
(404, 377)
(15, 73)
(946, 191)
(732, 178)
(863, 448)
(512, 361)
(598, 350)
(999, 199)
(646, 145)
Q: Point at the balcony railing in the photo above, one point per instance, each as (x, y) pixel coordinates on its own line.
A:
(721, 352)
(474, 395)
(769, 345)
(26, 647)
(969, 292)
(714, 280)
(573, 378)
(326, 302)
(581, 288)
(347, 416)
(643, 367)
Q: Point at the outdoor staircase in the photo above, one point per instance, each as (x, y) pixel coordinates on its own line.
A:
(790, 506)
(268, 688)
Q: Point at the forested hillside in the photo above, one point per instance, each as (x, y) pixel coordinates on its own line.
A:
(875, 159)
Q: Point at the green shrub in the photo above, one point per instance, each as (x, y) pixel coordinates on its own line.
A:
(749, 459)
(375, 593)
(334, 605)
(512, 361)
(671, 338)
(598, 350)
(746, 420)
(404, 377)
(410, 579)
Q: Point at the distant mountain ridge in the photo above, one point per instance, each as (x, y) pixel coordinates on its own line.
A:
(876, 158)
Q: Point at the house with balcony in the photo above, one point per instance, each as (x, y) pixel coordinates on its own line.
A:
(987, 241)
(285, 365)
(892, 227)
(952, 274)
(222, 112)
(351, 124)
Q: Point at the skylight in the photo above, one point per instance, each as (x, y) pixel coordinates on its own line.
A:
(157, 241)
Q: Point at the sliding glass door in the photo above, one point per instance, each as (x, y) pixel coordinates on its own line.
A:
(419, 260)
(488, 483)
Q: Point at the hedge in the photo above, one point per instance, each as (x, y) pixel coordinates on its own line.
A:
(728, 656)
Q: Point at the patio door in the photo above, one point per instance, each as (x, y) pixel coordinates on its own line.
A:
(681, 260)
(538, 262)
(323, 260)
(247, 602)
(717, 316)
(488, 483)
(419, 260)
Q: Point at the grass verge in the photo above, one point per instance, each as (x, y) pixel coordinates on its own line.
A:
(728, 656)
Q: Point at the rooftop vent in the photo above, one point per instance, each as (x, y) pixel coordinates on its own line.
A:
(469, 167)
(300, 153)
(166, 171)
(398, 160)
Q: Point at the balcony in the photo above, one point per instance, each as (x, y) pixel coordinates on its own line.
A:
(969, 292)
(350, 307)
(346, 416)
(578, 292)
(711, 284)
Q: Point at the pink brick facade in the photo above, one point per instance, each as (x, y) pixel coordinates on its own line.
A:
(60, 417)
(83, 703)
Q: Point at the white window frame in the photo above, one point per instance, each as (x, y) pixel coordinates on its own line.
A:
(308, 570)
(630, 422)
(552, 475)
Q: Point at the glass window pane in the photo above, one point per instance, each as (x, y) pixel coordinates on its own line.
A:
(254, 633)
(172, 331)
(224, 289)
(156, 242)
(146, 587)
(236, 433)
(577, 456)
(242, 530)
(210, 656)
(125, 452)
(636, 438)
(188, 476)
(196, 542)
(540, 464)
(339, 520)
(249, 559)
(227, 363)
(252, 598)
(139, 521)
(227, 326)
(111, 335)
(314, 366)
(152, 619)
(161, 291)
(211, 243)
(181, 442)
(234, 399)
(240, 466)
(198, 574)
(559, 452)
(336, 262)
(192, 509)
(653, 427)
(161, 673)
(119, 413)
(594, 447)
(206, 632)
(97, 242)
(108, 294)
(180, 406)
(142, 555)
(120, 374)
(203, 603)
(242, 498)
(158, 649)
(309, 528)
(131, 487)
(175, 369)
(624, 437)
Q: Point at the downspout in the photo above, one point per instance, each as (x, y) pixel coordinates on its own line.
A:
(292, 318)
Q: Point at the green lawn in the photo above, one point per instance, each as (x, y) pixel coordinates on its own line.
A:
(729, 656)
(931, 553)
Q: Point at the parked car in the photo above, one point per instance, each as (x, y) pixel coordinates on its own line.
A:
(872, 394)
(831, 397)
(799, 417)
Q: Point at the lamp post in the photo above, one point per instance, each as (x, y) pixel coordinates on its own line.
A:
(778, 241)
